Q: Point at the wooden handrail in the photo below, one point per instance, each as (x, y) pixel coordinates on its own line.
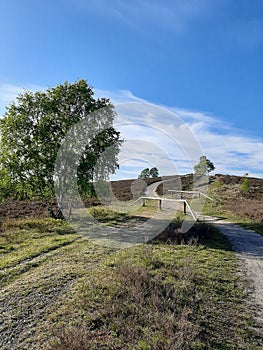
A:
(198, 192)
(161, 199)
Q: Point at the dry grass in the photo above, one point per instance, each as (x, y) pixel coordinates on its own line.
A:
(155, 296)
(177, 292)
(248, 209)
(229, 200)
(158, 297)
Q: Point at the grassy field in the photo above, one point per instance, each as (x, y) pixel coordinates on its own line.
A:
(60, 291)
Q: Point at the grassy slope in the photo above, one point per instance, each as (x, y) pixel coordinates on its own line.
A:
(60, 291)
(231, 203)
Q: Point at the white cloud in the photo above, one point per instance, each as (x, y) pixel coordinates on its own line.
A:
(171, 138)
(9, 93)
(119, 96)
(184, 135)
(167, 136)
(231, 151)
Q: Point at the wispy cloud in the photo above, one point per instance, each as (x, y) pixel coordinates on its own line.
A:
(119, 96)
(178, 19)
(9, 93)
(171, 138)
(170, 15)
(232, 152)
(177, 131)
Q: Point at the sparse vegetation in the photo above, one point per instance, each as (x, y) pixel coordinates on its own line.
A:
(158, 296)
(179, 291)
(104, 214)
(241, 206)
(245, 186)
(155, 296)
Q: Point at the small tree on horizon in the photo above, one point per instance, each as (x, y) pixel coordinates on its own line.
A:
(245, 184)
(204, 167)
(145, 174)
(154, 172)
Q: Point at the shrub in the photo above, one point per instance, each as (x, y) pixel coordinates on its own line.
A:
(245, 186)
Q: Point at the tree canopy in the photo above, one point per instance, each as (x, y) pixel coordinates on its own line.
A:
(204, 167)
(154, 172)
(146, 173)
(32, 132)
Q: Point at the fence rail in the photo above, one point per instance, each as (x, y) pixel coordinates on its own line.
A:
(192, 192)
(160, 200)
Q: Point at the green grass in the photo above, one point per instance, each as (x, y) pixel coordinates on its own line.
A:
(27, 239)
(257, 227)
(153, 296)
(158, 296)
(125, 214)
(30, 288)
(109, 216)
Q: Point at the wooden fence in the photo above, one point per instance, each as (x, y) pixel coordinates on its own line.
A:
(161, 200)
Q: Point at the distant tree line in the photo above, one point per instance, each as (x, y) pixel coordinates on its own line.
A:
(147, 173)
(203, 167)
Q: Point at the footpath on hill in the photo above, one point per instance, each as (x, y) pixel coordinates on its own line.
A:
(249, 247)
(151, 189)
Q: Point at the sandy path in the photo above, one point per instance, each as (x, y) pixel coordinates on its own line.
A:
(249, 247)
(151, 189)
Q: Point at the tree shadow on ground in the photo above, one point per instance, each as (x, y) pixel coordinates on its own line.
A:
(199, 234)
(243, 240)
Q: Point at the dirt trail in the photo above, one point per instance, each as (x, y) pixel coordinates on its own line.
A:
(151, 189)
(249, 248)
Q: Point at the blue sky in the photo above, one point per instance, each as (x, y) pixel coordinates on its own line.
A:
(201, 59)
